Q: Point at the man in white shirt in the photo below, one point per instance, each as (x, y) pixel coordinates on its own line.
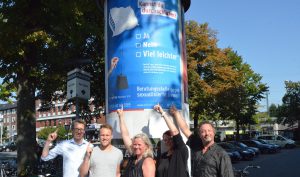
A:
(103, 160)
(72, 150)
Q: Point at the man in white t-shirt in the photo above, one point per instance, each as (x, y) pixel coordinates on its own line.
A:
(103, 160)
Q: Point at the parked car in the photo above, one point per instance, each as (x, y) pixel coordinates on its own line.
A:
(1, 147)
(234, 155)
(242, 145)
(278, 139)
(264, 148)
(277, 147)
(245, 153)
(10, 146)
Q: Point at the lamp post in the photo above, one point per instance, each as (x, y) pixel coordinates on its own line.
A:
(67, 128)
(78, 87)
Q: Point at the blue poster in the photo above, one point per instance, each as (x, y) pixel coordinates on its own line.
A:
(143, 54)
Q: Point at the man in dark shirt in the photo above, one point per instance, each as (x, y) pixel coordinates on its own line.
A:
(208, 159)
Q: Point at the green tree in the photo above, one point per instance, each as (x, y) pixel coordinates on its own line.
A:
(273, 110)
(61, 132)
(209, 71)
(40, 41)
(289, 111)
(240, 103)
(4, 133)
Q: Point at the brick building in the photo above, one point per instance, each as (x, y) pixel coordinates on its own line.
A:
(51, 118)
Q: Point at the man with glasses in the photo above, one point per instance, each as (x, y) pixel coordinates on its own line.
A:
(72, 150)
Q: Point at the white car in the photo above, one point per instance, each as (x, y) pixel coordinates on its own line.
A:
(279, 140)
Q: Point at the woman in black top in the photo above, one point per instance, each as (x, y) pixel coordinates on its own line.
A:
(172, 163)
(141, 164)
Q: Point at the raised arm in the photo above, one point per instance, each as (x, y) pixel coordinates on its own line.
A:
(181, 122)
(167, 119)
(50, 139)
(113, 64)
(85, 165)
(124, 131)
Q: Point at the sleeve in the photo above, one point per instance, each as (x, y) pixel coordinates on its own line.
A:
(178, 141)
(226, 169)
(57, 150)
(194, 142)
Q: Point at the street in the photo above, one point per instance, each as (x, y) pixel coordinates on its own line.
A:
(282, 164)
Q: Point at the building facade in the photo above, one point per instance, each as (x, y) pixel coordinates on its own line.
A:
(53, 117)
(8, 122)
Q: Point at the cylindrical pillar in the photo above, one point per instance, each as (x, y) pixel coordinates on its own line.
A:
(145, 62)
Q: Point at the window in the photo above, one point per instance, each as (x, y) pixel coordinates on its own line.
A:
(280, 138)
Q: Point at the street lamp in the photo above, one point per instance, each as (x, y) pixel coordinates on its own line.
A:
(67, 128)
(78, 87)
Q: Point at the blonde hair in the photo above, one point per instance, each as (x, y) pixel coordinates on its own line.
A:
(146, 140)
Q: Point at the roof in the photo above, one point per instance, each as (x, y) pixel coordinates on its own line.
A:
(8, 106)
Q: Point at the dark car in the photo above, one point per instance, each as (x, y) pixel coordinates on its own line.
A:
(245, 153)
(233, 154)
(242, 145)
(275, 146)
(264, 148)
(10, 146)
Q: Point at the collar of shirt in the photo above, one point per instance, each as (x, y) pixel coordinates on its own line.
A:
(82, 143)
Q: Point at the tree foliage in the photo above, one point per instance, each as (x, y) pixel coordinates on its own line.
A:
(208, 70)
(289, 111)
(221, 85)
(273, 110)
(61, 132)
(40, 41)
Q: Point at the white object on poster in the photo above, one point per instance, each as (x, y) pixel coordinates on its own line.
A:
(121, 19)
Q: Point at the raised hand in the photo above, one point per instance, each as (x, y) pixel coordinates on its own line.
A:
(120, 112)
(89, 150)
(173, 110)
(52, 136)
(114, 62)
(158, 108)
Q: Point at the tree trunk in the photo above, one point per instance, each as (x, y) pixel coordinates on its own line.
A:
(237, 130)
(26, 141)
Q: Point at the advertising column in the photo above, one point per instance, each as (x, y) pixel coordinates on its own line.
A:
(145, 62)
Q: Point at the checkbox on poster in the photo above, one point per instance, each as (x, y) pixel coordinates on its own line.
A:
(138, 45)
(138, 36)
(138, 54)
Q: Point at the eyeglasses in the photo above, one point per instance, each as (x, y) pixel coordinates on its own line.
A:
(78, 130)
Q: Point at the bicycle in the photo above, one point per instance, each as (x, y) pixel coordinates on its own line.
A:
(244, 172)
(8, 169)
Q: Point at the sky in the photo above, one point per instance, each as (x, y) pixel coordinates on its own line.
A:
(264, 32)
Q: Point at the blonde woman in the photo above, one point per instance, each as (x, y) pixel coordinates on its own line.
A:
(141, 164)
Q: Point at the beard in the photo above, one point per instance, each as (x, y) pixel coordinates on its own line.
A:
(206, 140)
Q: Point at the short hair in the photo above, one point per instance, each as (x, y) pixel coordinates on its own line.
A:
(206, 122)
(146, 140)
(106, 126)
(79, 121)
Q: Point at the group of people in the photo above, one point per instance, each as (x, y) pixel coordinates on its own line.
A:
(80, 158)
